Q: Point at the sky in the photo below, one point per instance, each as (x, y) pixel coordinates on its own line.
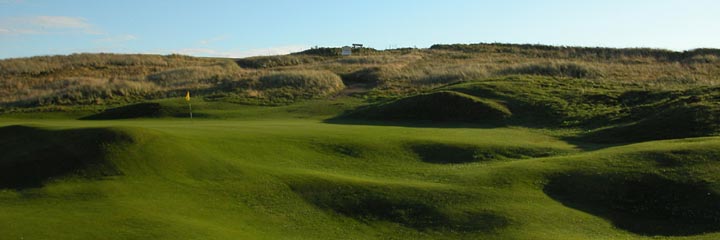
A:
(236, 28)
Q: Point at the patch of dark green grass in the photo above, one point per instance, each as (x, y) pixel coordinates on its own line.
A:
(140, 110)
(442, 153)
(344, 149)
(678, 158)
(143, 110)
(645, 204)
(413, 208)
(31, 157)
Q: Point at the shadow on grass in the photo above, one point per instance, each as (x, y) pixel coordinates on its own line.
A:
(644, 204)
(30, 156)
(443, 153)
(411, 123)
(587, 146)
(408, 207)
(143, 110)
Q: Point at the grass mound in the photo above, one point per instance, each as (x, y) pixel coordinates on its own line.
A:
(683, 121)
(438, 106)
(143, 110)
(442, 153)
(31, 156)
(645, 204)
(285, 87)
(410, 207)
(544, 101)
(611, 113)
(140, 110)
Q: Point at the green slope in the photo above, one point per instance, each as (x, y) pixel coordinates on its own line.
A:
(304, 179)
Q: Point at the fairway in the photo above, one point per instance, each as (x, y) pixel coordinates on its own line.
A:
(186, 131)
(296, 178)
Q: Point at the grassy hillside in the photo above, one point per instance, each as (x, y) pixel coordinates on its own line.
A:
(114, 79)
(482, 141)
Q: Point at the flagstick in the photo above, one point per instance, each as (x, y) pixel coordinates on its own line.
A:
(190, 107)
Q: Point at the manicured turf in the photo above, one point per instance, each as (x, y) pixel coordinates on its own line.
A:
(245, 172)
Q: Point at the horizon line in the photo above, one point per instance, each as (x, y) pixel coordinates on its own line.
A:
(379, 49)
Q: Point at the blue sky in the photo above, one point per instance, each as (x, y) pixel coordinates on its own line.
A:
(245, 28)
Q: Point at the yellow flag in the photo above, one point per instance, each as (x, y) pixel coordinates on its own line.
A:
(187, 96)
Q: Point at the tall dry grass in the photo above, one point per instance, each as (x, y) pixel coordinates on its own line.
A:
(96, 78)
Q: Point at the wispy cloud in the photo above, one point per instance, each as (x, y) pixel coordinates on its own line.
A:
(118, 38)
(274, 50)
(11, 1)
(201, 52)
(47, 25)
(209, 52)
(212, 40)
(59, 22)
